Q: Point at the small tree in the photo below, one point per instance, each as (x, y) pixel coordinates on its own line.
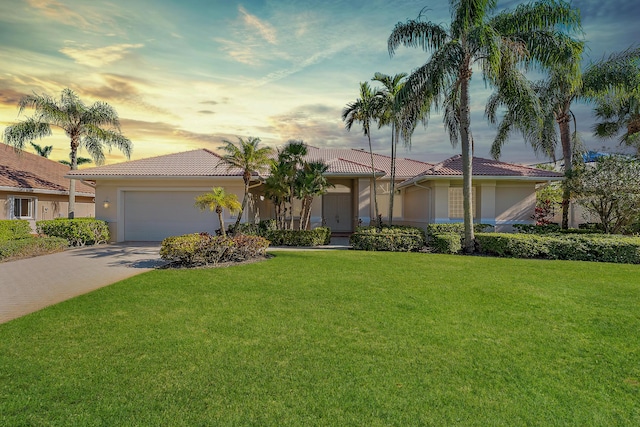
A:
(310, 182)
(217, 200)
(610, 189)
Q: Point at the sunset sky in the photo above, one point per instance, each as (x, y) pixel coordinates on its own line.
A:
(188, 74)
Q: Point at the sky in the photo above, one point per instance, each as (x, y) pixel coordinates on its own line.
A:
(189, 74)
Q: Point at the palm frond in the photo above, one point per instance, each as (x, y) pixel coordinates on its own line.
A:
(416, 33)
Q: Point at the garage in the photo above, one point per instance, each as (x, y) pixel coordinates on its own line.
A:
(150, 216)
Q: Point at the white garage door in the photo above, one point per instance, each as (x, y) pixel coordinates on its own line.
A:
(150, 216)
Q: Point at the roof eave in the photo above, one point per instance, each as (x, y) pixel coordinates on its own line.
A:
(482, 178)
(159, 177)
(42, 191)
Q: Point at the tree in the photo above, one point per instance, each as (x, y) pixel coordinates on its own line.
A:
(610, 189)
(79, 161)
(217, 200)
(364, 110)
(529, 34)
(390, 114)
(42, 151)
(247, 156)
(557, 93)
(310, 182)
(91, 127)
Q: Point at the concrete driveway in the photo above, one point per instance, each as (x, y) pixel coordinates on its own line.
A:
(28, 285)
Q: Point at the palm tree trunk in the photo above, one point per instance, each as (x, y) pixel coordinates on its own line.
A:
(467, 161)
(72, 183)
(244, 205)
(392, 187)
(567, 154)
(373, 182)
(223, 231)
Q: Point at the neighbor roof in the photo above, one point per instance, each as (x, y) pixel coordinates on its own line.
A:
(195, 163)
(452, 167)
(25, 172)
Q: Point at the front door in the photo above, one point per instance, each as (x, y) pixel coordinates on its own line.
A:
(336, 210)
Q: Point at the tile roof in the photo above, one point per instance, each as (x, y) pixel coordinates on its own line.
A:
(193, 163)
(484, 167)
(25, 171)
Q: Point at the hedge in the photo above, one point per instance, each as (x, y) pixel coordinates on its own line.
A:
(397, 238)
(454, 227)
(317, 236)
(78, 231)
(31, 246)
(14, 229)
(204, 249)
(555, 229)
(602, 248)
(446, 243)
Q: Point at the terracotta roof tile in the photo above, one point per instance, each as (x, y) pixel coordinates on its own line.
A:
(22, 170)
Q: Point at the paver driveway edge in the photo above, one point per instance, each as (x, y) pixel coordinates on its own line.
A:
(31, 284)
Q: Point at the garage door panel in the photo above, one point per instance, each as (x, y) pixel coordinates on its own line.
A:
(154, 215)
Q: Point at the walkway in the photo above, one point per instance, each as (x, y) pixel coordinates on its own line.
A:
(31, 284)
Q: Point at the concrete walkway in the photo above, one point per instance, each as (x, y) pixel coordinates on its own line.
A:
(28, 285)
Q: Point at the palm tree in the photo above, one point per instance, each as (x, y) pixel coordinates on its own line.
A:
(90, 127)
(565, 84)
(390, 113)
(277, 189)
(291, 159)
(246, 156)
(79, 161)
(364, 110)
(42, 151)
(310, 182)
(217, 200)
(529, 34)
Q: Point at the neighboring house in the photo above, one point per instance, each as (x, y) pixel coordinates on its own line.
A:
(33, 188)
(150, 199)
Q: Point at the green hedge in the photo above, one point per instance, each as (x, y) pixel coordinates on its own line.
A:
(78, 231)
(397, 238)
(258, 229)
(555, 229)
(204, 249)
(454, 227)
(446, 243)
(14, 229)
(602, 248)
(316, 237)
(31, 246)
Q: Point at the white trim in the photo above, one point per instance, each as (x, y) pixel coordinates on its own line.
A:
(42, 191)
(33, 206)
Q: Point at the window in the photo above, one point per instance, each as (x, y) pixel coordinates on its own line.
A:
(456, 208)
(24, 207)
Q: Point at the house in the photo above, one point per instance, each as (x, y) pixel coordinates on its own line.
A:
(34, 188)
(150, 199)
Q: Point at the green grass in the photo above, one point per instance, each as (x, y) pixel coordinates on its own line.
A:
(336, 338)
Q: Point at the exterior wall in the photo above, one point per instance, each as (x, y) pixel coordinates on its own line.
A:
(47, 206)
(383, 189)
(515, 204)
(417, 206)
(112, 191)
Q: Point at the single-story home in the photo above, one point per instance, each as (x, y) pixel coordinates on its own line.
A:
(33, 187)
(150, 199)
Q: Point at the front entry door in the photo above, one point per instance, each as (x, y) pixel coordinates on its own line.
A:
(336, 210)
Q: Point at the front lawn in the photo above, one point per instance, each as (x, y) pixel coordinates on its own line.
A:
(336, 338)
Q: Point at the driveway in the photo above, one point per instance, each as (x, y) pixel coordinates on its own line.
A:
(28, 285)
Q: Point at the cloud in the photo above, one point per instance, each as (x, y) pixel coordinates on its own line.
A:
(10, 97)
(99, 57)
(267, 31)
(206, 112)
(124, 89)
(59, 12)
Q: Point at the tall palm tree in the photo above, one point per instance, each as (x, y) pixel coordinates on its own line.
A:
(601, 83)
(310, 182)
(246, 156)
(390, 114)
(364, 110)
(529, 34)
(91, 127)
(292, 158)
(43, 151)
(217, 200)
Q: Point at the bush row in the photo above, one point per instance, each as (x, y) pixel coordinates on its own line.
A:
(446, 243)
(395, 239)
(204, 249)
(14, 229)
(603, 248)
(78, 231)
(317, 236)
(31, 246)
(455, 227)
(556, 229)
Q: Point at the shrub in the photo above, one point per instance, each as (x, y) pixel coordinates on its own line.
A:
(602, 248)
(31, 246)
(446, 243)
(14, 229)
(455, 227)
(395, 239)
(258, 229)
(78, 231)
(554, 229)
(317, 236)
(204, 249)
